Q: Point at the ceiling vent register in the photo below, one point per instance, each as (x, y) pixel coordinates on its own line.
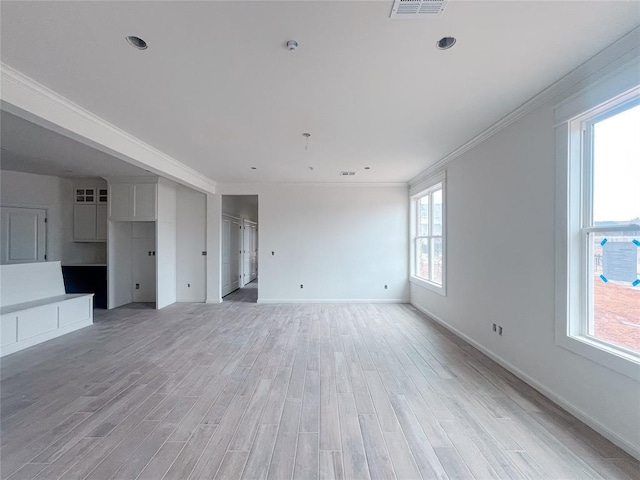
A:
(417, 8)
(347, 174)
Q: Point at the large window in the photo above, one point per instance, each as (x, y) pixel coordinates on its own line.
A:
(611, 226)
(602, 271)
(428, 254)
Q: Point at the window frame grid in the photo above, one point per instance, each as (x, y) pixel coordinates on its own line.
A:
(574, 153)
(437, 184)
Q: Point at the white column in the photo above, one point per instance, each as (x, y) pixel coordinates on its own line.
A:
(214, 260)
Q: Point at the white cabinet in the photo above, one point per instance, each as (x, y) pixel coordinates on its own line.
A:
(132, 202)
(89, 214)
(101, 222)
(144, 201)
(120, 200)
(84, 222)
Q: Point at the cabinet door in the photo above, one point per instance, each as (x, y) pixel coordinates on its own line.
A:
(120, 201)
(24, 235)
(101, 195)
(84, 195)
(144, 201)
(101, 222)
(84, 222)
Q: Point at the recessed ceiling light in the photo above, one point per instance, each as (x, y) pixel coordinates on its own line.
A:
(445, 43)
(137, 42)
(254, 168)
(292, 45)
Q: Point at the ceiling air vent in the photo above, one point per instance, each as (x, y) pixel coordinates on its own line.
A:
(417, 8)
(347, 174)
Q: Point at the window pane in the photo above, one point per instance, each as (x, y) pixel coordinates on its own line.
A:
(436, 248)
(616, 168)
(422, 258)
(423, 216)
(615, 298)
(437, 212)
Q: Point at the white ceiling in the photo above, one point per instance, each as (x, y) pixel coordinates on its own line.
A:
(218, 91)
(29, 148)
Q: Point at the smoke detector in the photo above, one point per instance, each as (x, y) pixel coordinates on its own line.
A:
(417, 8)
(292, 45)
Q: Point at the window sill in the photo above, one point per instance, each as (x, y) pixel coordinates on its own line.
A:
(428, 285)
(607, 356)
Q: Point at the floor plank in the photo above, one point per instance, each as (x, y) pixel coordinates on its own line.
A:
(241, 390)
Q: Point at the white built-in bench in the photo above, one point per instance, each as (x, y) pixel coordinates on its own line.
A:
(34, 306)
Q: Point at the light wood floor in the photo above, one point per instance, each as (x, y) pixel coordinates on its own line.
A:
(241, 390)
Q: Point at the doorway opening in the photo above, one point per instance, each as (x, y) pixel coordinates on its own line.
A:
(240, 248)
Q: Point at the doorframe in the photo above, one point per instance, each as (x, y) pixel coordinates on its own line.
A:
(246, 222)
(214, 203)
(36, 206)
(240, 266)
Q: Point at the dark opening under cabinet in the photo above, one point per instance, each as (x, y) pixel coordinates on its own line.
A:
(87, 278)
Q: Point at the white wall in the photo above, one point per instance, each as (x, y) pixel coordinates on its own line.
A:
(119, 267)
(166, 243)
(191, 242)
(343, 243)
(501, 244)
(54, 194)
(244, 207)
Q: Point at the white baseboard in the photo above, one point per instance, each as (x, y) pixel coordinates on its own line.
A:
(569, 407)
(213, 300)
(333, 300)
(43, 337)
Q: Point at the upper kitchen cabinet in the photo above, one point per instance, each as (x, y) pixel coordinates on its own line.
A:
(90, 213)
(132, 201)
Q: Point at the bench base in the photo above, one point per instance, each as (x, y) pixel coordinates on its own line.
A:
(42, 320)
(43, 337)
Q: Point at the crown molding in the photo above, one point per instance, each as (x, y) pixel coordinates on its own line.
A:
(28, 99)
(614, 57)
(255, 188)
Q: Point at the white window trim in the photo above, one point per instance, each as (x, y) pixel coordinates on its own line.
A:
(424, 189)
(570, 257)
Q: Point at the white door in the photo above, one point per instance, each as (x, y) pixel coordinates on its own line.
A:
(231, 248)
(226, 256)
(236, 248)
(253, 229)
(249, 252)
(246, 253)
(24, 235)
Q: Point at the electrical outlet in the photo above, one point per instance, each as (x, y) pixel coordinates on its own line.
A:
(386, 287)
(273, 253)
(137, 286)
(188, 285)
(500, 330)
(495, 327)
(301, 286)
